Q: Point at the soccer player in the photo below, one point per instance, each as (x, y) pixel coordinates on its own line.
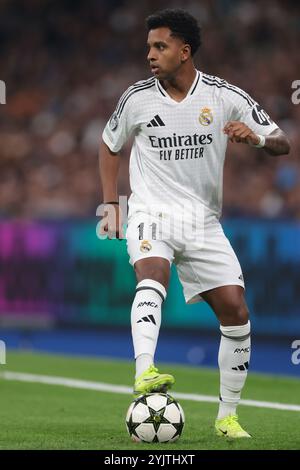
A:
(181, 120)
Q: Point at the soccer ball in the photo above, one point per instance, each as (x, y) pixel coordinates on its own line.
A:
(155, 417)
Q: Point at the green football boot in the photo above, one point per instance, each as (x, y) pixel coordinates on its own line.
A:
(152, 381)
(230, 427)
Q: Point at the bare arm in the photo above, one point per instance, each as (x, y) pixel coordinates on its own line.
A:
(109, 163)
(276, 143)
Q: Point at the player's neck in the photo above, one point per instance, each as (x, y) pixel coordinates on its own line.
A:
(179, 86)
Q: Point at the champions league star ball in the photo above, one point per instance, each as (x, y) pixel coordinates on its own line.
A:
(155, 417)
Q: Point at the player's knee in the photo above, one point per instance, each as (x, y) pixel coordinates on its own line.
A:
(242, 315)
(236, 312)
(153, 274)
(151, 271)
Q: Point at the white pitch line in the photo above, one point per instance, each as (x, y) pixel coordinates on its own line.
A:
(104, 387)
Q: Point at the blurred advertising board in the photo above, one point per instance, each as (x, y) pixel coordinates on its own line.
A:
(61, 271)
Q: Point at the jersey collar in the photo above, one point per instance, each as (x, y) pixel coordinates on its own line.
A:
(192, 91)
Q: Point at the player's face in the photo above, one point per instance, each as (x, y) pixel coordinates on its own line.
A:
(166, 53)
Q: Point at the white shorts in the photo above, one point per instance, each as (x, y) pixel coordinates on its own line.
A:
(210, 264)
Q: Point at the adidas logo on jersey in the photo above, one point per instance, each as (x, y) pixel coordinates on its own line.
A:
(156, 122)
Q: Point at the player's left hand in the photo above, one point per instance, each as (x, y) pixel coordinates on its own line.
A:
(239, 132)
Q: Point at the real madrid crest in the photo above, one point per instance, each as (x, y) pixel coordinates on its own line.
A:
(145, 246)
(206, 117)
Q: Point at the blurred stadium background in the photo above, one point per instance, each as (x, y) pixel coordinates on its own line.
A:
(65, 64)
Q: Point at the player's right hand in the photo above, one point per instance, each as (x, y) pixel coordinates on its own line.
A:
(111, 223)
(239, 132)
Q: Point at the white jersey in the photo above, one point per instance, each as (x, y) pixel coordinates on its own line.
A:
(179, 147)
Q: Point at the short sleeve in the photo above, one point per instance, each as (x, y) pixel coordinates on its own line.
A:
(246, 110)
(120, 125)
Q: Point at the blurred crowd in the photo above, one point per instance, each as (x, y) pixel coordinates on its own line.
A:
(66, 63)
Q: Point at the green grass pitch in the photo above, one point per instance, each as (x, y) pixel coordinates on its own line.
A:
(41, 416)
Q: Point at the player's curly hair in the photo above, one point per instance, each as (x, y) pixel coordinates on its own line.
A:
(180, 22)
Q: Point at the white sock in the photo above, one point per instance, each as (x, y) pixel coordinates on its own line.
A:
(234, 356)
(145, 321)
(142, 363)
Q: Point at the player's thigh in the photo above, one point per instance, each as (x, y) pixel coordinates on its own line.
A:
(213, 265)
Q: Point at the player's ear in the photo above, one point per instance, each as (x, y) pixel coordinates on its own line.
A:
(185, 52)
